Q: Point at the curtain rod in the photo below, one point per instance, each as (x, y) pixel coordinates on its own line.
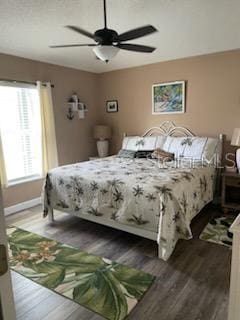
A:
(26, 82)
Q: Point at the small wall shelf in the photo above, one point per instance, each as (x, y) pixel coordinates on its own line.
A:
(74, 105)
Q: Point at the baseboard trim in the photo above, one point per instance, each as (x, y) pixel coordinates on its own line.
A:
(22, 206)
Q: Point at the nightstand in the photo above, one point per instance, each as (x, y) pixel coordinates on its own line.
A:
(230, 191)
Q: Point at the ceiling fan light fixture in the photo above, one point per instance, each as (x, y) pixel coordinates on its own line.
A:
(105, 53)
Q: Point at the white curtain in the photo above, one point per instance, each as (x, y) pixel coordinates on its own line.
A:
(49, 145)
(3, 175)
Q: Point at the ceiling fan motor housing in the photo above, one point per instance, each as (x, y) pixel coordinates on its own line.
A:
(106, 36)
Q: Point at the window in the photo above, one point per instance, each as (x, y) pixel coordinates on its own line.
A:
(20, 125)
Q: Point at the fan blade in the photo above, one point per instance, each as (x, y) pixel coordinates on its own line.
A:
(136, 33)
(81, 31)
(135, 47)
(73, 45)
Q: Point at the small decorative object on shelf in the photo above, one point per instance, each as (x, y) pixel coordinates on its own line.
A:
(236, 142)
(230, 191)
(102, 134)
(74, 105)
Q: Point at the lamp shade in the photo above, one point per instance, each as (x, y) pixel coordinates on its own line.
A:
(236, 137)
(102, 132)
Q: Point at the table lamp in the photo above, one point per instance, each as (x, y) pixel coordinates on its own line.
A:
(236, 142)
(102, 134)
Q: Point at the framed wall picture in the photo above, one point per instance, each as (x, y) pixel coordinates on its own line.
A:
(168, 97)
(112, 106)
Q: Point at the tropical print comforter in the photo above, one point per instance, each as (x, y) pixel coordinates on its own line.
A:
(137, 192)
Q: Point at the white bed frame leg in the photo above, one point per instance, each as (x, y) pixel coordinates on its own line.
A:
(50, 216)
(159, 251)
(163, 253)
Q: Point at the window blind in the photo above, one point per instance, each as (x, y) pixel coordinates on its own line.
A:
(20, 125)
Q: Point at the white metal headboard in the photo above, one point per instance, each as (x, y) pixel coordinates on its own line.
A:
(168, 128)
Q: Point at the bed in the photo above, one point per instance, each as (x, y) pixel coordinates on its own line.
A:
(141, 196)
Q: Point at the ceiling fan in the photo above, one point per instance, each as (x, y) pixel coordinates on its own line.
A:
(108, 41)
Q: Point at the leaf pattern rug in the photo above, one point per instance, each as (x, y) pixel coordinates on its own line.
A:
(217, 231)
(103, 286)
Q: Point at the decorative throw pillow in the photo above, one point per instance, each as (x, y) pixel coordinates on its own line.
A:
(162, 155)
(129, 154)
(143, 154)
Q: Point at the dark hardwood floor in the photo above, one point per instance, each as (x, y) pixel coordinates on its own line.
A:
(192, 285)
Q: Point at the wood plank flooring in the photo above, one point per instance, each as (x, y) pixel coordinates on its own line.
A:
(192, 285)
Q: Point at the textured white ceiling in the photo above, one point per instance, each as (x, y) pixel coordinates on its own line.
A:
(186, 28)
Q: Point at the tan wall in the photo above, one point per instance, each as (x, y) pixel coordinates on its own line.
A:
(74, 138)
(212, 97)
(212, 102)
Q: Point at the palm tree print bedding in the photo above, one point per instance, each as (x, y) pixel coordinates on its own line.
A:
(103, 286)
(137, 192)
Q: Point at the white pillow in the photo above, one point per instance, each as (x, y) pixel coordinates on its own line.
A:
(136, 143)
(151, 143)
(175, 145)
(160, 141)
(211, 148)
(197, 148)
(194, 147)
(130, 143)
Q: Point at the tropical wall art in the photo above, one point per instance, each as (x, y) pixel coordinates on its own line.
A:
(168, 97)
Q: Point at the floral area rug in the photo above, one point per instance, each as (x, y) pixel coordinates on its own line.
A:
(103, 286)
(217, 231)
